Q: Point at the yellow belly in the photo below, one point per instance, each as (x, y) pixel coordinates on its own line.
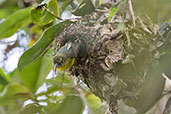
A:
(69, 62)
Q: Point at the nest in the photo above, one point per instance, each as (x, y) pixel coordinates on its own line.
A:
(104, 46)
(117, 63)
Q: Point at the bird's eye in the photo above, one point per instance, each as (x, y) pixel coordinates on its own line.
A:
(61, 61)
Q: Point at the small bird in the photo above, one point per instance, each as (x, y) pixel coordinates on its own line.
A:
(66, 55)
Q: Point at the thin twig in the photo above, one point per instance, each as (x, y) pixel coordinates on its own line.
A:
(59, 17)
(52, 13)
(131, 10)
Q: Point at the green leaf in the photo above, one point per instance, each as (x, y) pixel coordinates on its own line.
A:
(31, 109)
(95, 104)
(151, 91)
(35, 52)
(6, 11)
(34, 74)
(4, 79)
(42, 14)
(72, 104)
(120, 27)
(113, 11)
(58, 81)
(158, 10)
(14, 22)
(64, 5)
(85, 7)
(12, 91)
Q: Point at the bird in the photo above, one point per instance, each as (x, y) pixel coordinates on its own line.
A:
(64, 58)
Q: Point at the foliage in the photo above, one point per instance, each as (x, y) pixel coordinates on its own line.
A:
(15, 21)
(156, 9)
(24, 86)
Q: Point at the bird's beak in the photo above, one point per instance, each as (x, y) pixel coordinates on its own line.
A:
(55, 66)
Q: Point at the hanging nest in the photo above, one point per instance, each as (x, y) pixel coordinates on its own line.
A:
(121, 60)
